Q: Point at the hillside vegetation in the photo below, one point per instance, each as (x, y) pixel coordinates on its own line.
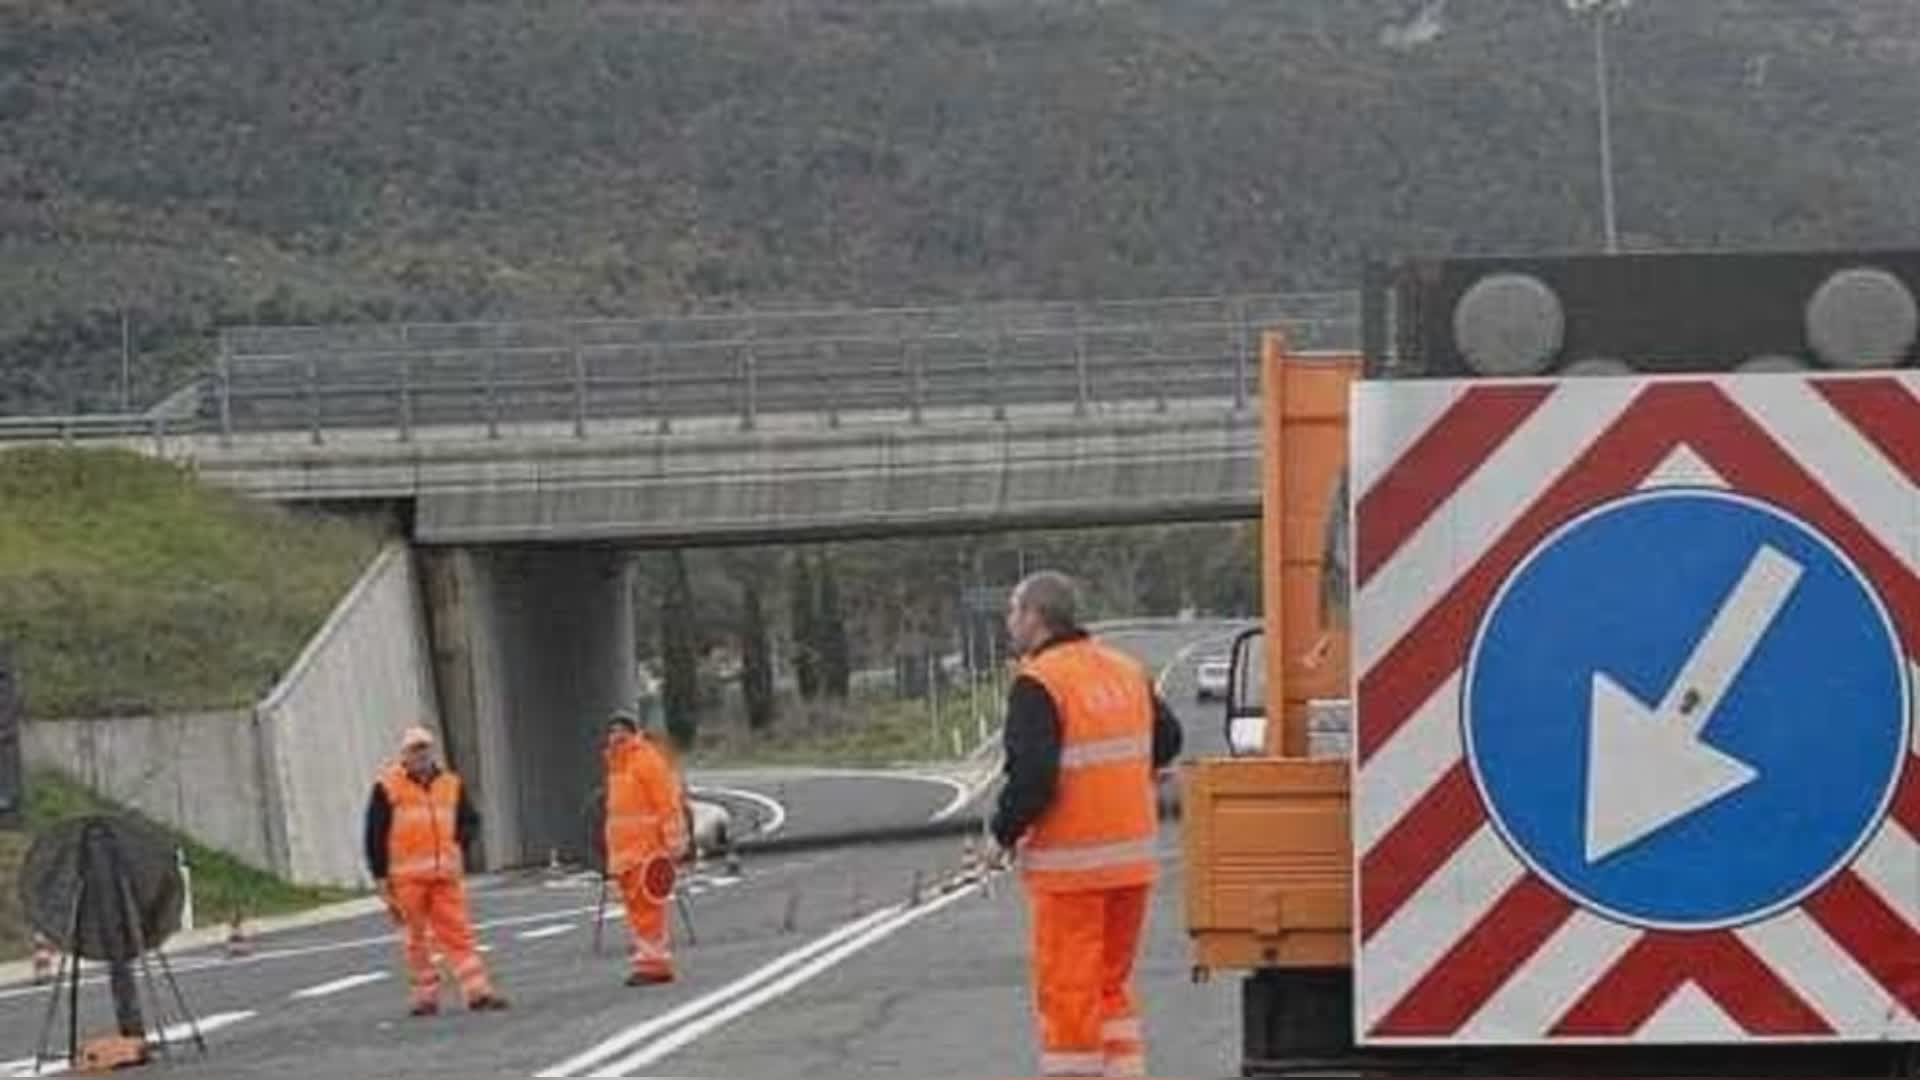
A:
(127, 587)
(200, 163)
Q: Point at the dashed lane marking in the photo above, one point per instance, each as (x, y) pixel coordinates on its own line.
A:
(336, 986)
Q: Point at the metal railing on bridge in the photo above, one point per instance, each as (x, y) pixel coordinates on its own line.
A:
(896, 364)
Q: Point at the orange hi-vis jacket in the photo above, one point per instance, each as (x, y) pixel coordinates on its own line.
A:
(643, 806)
(422, 842)
(1098, 831)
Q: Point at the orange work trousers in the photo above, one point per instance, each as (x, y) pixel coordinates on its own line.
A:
(434, 911)
(649, 950)
(1084, 944)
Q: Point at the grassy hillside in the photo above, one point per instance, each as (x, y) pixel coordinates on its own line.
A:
(220, 882)
(220, 160)
(125, 586)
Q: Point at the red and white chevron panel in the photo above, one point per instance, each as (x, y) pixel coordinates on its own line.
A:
(1456, 940)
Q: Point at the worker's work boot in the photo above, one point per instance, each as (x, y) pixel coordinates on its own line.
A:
(649, 978)
(424, 1008)
(488, 1003)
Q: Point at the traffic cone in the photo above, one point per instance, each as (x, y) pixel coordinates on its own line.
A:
(44, 957)
(237, 942)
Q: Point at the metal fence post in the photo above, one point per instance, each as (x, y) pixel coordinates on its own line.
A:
(1156, 345)
(917, 376)
(1241, 338)
(1079, 368)
(406, 398)
(656, 389)
(833, 400)
(493, 394)
(994, 350)
(579, 392)
(225, 388)
(313, 398)
(748, 388)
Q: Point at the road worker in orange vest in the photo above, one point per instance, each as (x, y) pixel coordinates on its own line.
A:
(419, 824)
(645, 823)
(1085, 736)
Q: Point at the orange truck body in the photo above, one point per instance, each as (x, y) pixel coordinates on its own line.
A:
(1268, 849)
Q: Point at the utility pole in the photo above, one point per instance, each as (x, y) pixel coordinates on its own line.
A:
(1600, 11)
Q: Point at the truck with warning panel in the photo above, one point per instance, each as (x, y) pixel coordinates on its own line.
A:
(1578, 735)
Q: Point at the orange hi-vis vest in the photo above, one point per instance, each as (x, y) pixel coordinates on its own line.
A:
(421, 841)
(1099, 830)
(643, 806)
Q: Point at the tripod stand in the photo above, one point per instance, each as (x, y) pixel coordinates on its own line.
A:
(103, 922)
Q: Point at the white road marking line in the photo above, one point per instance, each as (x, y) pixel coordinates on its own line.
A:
(776, 813)
(640, 1033)
(193, 961)
(172, 1033)
(545, 931)
(695, 1029)
(962, 795)
(338, 985)
(1179, 658)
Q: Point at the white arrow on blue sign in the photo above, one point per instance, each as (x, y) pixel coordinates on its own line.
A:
(1686, 709)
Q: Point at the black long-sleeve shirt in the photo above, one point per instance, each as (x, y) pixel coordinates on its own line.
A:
(466, 826)
(1032, 741)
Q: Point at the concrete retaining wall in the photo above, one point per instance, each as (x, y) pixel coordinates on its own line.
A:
(282, 786)
(336, 717)
(197, 772)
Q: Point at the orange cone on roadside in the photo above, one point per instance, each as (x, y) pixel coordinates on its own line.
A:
(237, 942)
(44, 957)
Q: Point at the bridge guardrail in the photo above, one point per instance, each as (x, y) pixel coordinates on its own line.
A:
(897, 363)
(92, 426)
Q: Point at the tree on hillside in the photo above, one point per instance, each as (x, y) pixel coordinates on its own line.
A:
(679, 654)
(836, 665)
(756, 659)
(801, 600)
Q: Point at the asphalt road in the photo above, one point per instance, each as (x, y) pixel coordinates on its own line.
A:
(813, 804)
(823, 963)
(810, 804)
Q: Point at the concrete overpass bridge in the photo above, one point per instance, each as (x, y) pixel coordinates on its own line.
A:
(747, 427)
(531, 459)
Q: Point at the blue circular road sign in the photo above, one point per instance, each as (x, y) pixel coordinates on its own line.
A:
(1686, 709)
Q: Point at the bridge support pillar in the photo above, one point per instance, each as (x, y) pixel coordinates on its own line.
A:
(532, 649)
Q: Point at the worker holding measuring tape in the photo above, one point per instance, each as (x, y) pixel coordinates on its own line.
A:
(645, 834)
